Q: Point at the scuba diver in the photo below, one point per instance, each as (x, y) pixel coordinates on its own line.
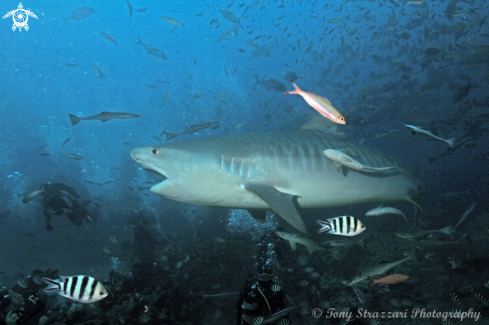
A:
(259, 298)
(58, 198)
(28, 313)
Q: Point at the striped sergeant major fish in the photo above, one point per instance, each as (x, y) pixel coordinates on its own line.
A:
(80, 288)
(275, 170)
(343, 226)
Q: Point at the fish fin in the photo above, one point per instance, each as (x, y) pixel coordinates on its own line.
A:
(169, 135)
(319, 123)
(74, 119)
(413, 132)
(447, 230)
(451, 142)
(372, 280)
(327, 100)
(259, 215)
(416, 204)
(53, 285)
(338, 166)
(297, 90)
(325, 225)
(281, 203)
(293, 244)
(139, 40)
(310, 250)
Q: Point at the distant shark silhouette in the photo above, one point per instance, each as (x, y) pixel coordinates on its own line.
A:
(275, 170)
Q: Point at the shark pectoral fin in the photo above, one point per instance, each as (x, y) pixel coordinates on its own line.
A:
(259, 215)
(338, 166)
(293, 244)
(281, 203)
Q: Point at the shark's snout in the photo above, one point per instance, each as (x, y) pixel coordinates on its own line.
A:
(144, 157)
(134, 155)
(138, 156)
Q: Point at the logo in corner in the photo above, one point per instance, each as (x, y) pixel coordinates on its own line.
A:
(20, 17)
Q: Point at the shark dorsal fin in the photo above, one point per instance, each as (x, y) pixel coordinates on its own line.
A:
(319, 122)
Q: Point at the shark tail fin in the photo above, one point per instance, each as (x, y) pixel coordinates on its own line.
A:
(139, 40)
(451, 142)
(448, 230)
(169, 135)
(74, 119)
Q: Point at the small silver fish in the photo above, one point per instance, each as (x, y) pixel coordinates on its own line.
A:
(418, 233)
(418, 130)
(340, 159)
(381, 210)
(29, 196)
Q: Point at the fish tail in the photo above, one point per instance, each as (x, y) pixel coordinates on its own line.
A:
(325, 226)
(53, 285)
(448, 230)
(139, 40)
(169, 135)
(293, 92)
(451, 142)
(74, 119)
(374, 280)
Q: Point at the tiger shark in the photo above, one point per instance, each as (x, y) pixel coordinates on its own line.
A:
(278, 170)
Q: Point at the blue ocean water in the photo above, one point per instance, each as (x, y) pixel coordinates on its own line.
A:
(382, 64)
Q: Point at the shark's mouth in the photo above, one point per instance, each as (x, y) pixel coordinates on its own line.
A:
(161, 173)
(153, 169)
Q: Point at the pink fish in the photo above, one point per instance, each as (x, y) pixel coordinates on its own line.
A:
(320, 104)
(390, 279)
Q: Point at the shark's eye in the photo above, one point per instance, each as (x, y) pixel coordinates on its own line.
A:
(154, 151)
